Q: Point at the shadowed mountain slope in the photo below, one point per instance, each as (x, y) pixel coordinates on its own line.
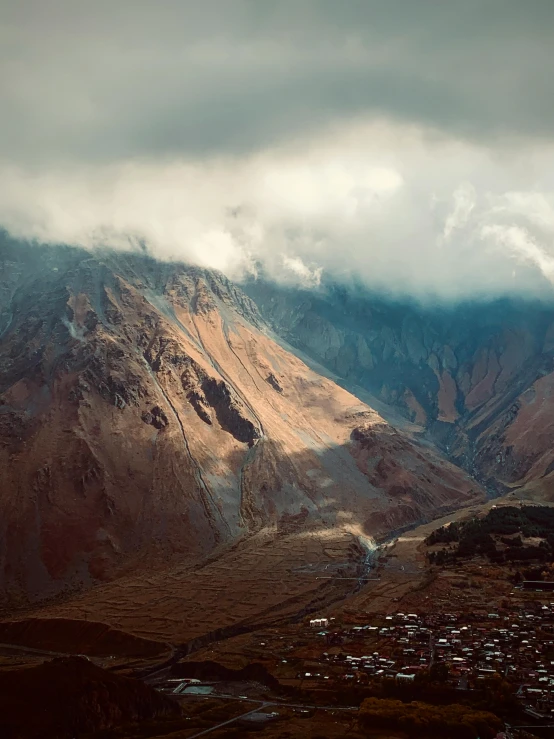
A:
(70, 697)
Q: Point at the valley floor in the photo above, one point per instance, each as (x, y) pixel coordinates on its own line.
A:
(272, 576)
(251, 606)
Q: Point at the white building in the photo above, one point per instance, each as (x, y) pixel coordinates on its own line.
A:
(319, 623)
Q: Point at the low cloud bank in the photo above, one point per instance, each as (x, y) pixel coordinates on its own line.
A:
(402, 211)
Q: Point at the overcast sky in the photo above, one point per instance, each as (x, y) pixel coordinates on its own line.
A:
(410, 142)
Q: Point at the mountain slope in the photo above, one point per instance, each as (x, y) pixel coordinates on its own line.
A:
(477, 376)
(145, 412)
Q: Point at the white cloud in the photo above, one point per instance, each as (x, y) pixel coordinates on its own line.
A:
(386, 204)
(464, 203)
(307, 277)
(520, 243)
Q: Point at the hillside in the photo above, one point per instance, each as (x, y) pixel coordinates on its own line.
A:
(70, 697)
(146, 412)
(477, 376)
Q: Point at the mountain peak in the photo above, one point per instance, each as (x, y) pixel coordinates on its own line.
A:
(147, 411)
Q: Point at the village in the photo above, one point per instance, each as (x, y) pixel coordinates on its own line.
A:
(471, 634)
(463, 651)
(500, 660)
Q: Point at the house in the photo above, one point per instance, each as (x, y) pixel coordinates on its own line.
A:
(319, 623)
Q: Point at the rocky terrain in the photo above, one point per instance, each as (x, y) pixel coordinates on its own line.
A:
(478, 377)
(148, 414)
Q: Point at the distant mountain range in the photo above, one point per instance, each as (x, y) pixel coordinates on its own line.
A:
(477, 377)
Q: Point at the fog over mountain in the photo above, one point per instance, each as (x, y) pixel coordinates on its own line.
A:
(399, 142)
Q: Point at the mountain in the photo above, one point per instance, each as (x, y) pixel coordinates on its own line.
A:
(477, 377)
(147, 411)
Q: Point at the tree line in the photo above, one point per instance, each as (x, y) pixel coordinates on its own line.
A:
(499, 536)
(417, 719)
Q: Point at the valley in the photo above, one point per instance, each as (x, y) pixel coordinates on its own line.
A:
(182, 490)
(276, 369)
(277, 661)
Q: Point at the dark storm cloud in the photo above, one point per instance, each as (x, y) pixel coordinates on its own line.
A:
(407, 142)
(126, 79)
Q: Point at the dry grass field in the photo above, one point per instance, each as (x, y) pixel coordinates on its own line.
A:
(264, 579)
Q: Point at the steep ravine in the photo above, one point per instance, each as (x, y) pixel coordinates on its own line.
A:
(476, 378)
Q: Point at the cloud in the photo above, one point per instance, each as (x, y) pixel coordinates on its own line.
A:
(307, 277)
(464, 203)
(522, 245)
(377, 203)
(408, 145)
(109, 81)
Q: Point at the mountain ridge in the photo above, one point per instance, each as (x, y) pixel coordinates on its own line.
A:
(146, 412)
(475, 377)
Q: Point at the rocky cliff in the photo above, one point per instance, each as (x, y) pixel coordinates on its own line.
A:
(478, 377)
(146, 411)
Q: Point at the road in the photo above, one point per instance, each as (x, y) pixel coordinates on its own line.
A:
(432, 649)
(309, 706)
(43, 652)
(261, 706)
(32, 650)
(230, 721)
